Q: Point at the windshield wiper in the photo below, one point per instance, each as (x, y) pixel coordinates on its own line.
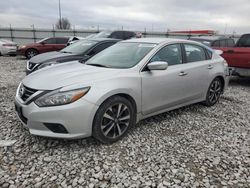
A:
(97, 65)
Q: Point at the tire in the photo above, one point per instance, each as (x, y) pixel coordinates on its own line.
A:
(214, 91)
(31, 53)
(113, 119)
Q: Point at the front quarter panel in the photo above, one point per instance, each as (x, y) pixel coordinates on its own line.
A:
(127, 83)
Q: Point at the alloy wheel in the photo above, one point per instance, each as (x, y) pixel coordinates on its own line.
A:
(215, 91)
(115, 120)
(31, 53)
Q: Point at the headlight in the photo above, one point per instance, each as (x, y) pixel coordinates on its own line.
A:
(22, 46)
(46, 65)
(56, 98)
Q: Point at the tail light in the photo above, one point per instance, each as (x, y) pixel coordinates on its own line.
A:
(225, 63)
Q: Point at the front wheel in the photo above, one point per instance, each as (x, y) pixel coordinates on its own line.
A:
(31, 53)
(113, 119)
(214, 91)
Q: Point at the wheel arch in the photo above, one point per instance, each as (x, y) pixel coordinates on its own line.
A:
(125, 95)
(32, 48)
(222, 79)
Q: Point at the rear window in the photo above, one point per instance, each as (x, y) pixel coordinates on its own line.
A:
(194, 53)
(216, 43)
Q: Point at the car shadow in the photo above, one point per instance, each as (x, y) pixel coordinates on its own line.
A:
(19, 57)
(240, 81)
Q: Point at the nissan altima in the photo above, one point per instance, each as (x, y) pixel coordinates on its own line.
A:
(118, 87)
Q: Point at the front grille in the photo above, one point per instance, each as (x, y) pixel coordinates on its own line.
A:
(26, 92)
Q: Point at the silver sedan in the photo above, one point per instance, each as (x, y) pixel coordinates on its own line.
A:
(118, 87)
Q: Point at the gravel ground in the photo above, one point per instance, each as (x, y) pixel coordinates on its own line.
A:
(194, 146)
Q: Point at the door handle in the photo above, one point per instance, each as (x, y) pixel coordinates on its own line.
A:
(182, 73)
(210, 67)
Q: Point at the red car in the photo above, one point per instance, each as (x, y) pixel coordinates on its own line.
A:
(44, 45)
(237, 55)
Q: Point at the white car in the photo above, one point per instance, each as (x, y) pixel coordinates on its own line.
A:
(7, 47)
(123, 84)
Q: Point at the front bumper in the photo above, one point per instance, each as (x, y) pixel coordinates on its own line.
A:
(21, 51)
(9, 51)
(245, 72)
(76, 118)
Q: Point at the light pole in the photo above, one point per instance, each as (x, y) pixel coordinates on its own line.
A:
(60, 16)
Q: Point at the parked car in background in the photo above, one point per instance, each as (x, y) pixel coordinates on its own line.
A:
(42, 46)
(7, 47)
(116, 88)
(237, 56)
(215, 41)
(123, 35)
(80, 50)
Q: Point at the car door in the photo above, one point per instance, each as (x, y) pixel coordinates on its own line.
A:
(162, 89)
(199, 68)
(184, 81)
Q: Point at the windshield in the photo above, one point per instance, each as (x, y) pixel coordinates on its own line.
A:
(121, 55)
(79, 47)
(103, 34)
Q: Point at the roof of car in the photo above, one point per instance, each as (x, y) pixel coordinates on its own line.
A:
(209, 38)
(155, 40)
(103, 39)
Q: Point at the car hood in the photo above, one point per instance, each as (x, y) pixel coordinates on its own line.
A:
(49, 56)
(67, 74)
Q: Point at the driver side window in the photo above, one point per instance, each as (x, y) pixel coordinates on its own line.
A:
(50, 41)
(170, 54)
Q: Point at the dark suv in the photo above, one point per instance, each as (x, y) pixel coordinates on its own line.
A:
(44, 45)
(215, 41)
(122, 35)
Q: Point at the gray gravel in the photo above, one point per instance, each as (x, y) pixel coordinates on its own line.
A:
(193, 146)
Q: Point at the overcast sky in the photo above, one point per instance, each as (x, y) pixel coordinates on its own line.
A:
(157, 15)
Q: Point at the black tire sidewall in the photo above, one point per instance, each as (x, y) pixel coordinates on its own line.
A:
(96, 129)
(208, 102)
(26, 53)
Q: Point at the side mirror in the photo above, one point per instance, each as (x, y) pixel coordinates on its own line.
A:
(42, 43)
(157, 65)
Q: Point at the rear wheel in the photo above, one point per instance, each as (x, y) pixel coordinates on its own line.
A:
(113, 119)
(214, 92)
(31, 53)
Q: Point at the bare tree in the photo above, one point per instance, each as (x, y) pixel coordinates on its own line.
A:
(63, 24)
